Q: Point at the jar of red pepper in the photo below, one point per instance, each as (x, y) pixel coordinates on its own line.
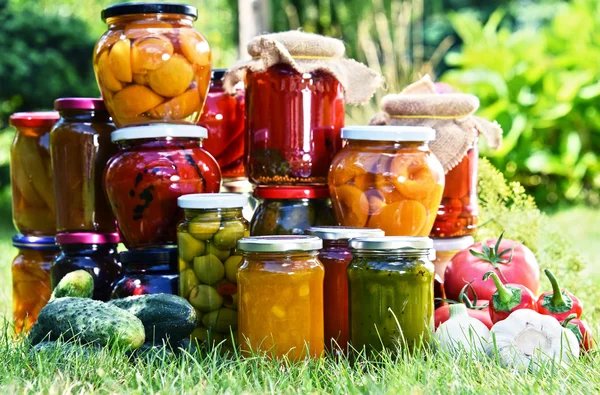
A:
(155, 165)
(223, 117)
(458, 211)
(335, 257)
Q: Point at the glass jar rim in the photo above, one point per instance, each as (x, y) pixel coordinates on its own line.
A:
(343, 232)
(34, 242)
(150, 257)
(36, 119)
(122, 9)
(158, 130)
(79, 103)
(389, 133)
(200, 201)
(453, 244)
(402, 243)
(291, 192)
(278, 244)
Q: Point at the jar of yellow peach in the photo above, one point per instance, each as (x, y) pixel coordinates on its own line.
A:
(386, 177)
(152, 65)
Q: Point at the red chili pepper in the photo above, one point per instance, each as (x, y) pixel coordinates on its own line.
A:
(582, 331)
(508, 298)
(558, 303)
(477, 309)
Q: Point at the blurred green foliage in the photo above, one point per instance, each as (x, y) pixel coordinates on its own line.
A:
(541, 82)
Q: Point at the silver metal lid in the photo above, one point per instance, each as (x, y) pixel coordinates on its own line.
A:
(388, 133)
(343, 232)
(391, 243)
(212, 200)
(280, 243)
(453, 244)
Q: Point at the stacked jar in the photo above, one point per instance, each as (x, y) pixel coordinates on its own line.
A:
(153, 69)
(34, 214)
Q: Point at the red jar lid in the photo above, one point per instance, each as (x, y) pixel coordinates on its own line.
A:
(87, 238)
(37, 119)
(79, 103)
(291, 192)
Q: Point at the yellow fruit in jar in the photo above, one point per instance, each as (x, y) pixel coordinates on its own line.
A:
(119, 60)
(145, 28)
(140, 79)
(149, 53)
(403, 218)
(195, 47)
(134, 100)
(106, 78)
(179, 107)
(352, 206)
(172, 78)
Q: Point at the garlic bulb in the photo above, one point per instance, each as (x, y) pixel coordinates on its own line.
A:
(527, 339)
(462, 332)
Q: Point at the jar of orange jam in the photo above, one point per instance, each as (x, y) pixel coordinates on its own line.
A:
(386, 177)
(152, 65)
(31, 278)
(280, 303)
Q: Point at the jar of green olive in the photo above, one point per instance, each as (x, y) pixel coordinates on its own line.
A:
(390, 289)
(208, 261)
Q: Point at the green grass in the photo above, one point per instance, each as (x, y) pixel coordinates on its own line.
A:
(107, 371)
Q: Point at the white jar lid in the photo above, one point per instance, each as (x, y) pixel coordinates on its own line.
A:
(280, 243)
(158, 130)
(453, 244)
(388, 133)
(212, 200)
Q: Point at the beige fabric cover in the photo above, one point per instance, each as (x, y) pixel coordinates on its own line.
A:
(451, 115)
(306, 53)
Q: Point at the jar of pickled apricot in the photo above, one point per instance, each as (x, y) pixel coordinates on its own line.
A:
(31, 278)
(390, 283)
(335, 257)
(155, 165)
(445, 249)
(386, 177)
(80, 147)
(96, 253)
(280, 285)
(459, 209)
(223, 117)
(152, 65)
(289, 210)
(209, 260)
(149, 271)
(293, 124)
(33, 203)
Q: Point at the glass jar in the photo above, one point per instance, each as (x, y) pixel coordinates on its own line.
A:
(335, 257)
(445, 249)
(152, 65)
(391, 292)
(31, 278)
(80, 147)
(33, 203)
(458, 211)
(155, 165)
(293, 124)
(153, 271)
(386, 177)
(96, 253)
(290, 210)
(223, 117)
(281, 296)
(207, 241)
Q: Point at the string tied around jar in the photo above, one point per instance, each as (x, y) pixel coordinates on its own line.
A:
(307, 53)
(450, 114)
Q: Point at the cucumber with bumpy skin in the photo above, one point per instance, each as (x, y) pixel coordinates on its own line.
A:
(164, 316)
(77, 284)
(89, 322)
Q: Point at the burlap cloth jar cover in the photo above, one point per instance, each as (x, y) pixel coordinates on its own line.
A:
(451, 115)
(306, 53)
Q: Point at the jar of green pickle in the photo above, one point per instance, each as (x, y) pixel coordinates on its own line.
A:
(390, 282)
(208, 261)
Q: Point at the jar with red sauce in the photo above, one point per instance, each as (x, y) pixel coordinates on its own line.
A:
(155, 165)
(223, 117)
(293, 124)
(458, 211)
(335, 257)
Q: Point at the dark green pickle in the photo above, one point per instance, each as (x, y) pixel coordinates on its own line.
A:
(390, 294)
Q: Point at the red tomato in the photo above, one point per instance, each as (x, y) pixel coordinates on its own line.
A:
(443, 313)
(520, 268)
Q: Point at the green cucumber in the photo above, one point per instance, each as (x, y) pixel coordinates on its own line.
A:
(77, 284)
(89, 322)
(164, 316)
